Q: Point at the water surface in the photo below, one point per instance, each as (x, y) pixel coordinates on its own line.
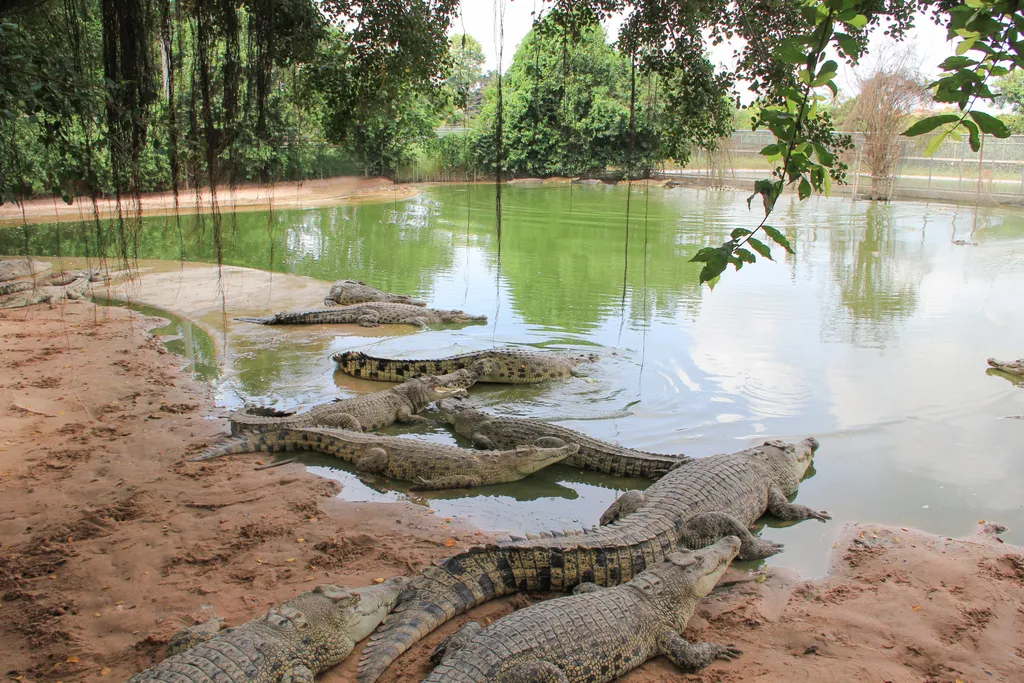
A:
(873, 338)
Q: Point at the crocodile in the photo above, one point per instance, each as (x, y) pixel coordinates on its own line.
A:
(493, 432)
(293, 642)
(11, 269)
(1013, 367)
(345, 292)
(361, 413)
(621, 627)
(76, 289)
(501, 366)
(427, 464)
(372, 314)
(690, 507)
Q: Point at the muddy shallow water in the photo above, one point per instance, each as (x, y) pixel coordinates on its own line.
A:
(873, 338)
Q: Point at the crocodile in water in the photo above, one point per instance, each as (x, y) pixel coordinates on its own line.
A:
(492, 432)
(346, 292)
(293, 642)
(11, 269)
(502, 366)
(1013, 367)
(427, 464)
(621, 627)
(691, 507)
(361, 413)
(372, 314)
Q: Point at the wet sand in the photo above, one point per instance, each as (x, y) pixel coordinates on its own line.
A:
(111, 542)
(247, 197)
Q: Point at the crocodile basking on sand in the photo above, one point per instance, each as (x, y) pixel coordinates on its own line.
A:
(11, 269)
(372, 314)
(346, 292)
(75, 289)
(361, 413)
(690, 507)
(293, 642)
(428, 465)
(598, 634)
(1013, 367)
(493, 432)
(501, 366)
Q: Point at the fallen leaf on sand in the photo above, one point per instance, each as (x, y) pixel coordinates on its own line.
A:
(104, 671)
(300, 540)
(449, 543)
(916, 608)
(378, 580)
(290, 559)
(73, 659)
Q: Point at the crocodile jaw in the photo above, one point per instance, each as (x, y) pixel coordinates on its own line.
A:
(374, 604)
(705, 567)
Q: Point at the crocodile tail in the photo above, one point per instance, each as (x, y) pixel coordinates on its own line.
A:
(444, 591)
(249, 443)
(258, 321)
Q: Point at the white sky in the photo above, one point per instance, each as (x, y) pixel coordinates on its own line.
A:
(479, 17)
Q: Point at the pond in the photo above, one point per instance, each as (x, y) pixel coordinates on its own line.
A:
(873, 338)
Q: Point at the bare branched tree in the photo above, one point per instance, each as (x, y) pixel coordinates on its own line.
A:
(889, 96)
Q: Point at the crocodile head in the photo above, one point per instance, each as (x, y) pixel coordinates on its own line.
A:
(788, 462)
(529, 459)
(696, 573)
(460, 415)
(422, 391)
(460, 317)
(355, 612)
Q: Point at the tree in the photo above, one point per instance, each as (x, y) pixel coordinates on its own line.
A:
(888, 97)
(1010, 93)
(466, 78)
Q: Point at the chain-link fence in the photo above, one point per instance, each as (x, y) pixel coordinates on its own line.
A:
(995, 174)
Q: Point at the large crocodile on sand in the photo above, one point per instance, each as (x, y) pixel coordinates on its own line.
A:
(690, 507)
(372, 314)
(502, 366)
(360, 413)
(293, 642)
(427, 464)
(494, 432)
(11, 269)
(346, 292)
(1013, 367)
(75, 289)
(598, 634)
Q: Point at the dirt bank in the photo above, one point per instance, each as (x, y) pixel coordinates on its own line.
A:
(248, 197)
(110, 542)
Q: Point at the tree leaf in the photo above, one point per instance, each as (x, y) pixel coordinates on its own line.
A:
(761, 248)
(937, 141)
(990, 124)
(859, 21)
(705, 254)
(929, 124)
(805, 188)
(770, 150)
(745, 255)
(739, 232)
(779, 238)
(973, 137)
(712, 270)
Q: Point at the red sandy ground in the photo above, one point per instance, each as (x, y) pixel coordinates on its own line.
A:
(111, 542)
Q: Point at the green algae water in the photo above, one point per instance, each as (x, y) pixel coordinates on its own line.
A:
(872, 338)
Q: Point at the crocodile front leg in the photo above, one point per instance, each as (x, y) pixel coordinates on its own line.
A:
(456, 641)
(453, 481)
(407, 417)
(188, 638)
(627, 503)
(706, 529)
(534, 672)
(694, 656)
(344, 421)
(416, 322)
(484, 442)
(548, 442)
(375, 461)
(299, 673)
(779, 505)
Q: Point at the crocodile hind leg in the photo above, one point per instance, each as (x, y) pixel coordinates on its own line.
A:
(456, 641)
(534, 672)
(694, 656)
(368, 318)
(586, 587)
(549, 442)
(375, 461)
(708, 528)
(417, 322)
(344, 421)
(452, 481)
(627, 503)
(779, 505)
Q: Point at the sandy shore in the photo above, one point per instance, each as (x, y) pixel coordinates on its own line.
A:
(248, 197)
(111, 541)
